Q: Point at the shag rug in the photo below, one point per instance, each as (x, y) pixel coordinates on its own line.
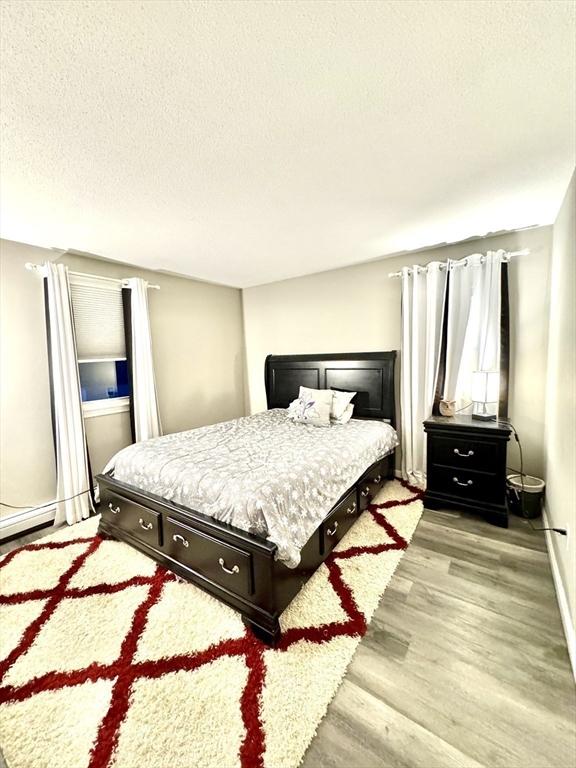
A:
(109, 660)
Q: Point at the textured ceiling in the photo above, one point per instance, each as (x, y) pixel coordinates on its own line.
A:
(245, 142)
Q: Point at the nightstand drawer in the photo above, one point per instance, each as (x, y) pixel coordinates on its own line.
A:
(466, 484)
(464, 452)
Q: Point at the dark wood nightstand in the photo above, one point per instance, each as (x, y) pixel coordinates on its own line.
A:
(466, 465)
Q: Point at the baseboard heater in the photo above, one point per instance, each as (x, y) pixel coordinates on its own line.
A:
(19, 523)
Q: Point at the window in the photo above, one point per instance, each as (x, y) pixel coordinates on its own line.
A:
(99, 325)
(104, 379)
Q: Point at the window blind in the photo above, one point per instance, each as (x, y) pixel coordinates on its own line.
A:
(98, 318)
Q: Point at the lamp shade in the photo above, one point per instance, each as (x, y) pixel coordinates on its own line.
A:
(485, 386)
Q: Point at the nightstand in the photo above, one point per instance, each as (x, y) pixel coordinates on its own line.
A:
(466, 465)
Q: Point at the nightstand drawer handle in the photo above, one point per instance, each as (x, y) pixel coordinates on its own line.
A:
(181, 539)
(365, 492)
(352, 509)
(113, 509)
(331, 532)
(464, 455)
(145, 526)
(231, 571)
(468, 482)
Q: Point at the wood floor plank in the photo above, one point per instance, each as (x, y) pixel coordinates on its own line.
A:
(430, 559)
(458, 715)
(519, 533)
(405, 742)
(465, 660)
(537, 591)
(530, 609)
(481, 641)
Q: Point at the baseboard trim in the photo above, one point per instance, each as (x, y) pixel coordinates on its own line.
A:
(21, 522)
(561, 595)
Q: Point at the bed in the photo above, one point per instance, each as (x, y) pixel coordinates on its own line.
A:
(249, 509)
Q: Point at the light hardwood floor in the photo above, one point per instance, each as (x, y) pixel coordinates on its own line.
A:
(464, 664)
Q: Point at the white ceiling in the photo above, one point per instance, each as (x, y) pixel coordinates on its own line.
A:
(245, 142)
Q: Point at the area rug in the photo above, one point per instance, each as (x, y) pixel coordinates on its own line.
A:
(108, 660)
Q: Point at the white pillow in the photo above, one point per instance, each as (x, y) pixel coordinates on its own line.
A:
(346, 416)
(340, 402)
(312, 408)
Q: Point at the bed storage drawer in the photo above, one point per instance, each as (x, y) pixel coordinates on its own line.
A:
(140, 522)
(222, 564)
(340, 520)
(370, 483)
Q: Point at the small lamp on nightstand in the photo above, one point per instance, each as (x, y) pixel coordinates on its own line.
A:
(485, 389)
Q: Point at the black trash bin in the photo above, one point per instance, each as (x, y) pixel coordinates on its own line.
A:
(525, 495)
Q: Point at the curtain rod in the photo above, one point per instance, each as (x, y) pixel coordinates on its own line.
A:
(40, 269)
(462, 262)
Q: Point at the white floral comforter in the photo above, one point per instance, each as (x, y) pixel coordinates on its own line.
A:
(264, 474)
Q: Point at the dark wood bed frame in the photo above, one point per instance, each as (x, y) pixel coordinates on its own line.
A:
(234, 566)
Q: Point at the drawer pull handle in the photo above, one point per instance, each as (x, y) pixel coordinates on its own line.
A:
(464, 455)
(468, 482)
(365, 492)
(352, 509)
(377, 479)
(333, 531)
(145, 526)
(231, 571)
(181, 539)
(113, 509)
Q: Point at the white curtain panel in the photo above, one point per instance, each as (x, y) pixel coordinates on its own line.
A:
(463, 283)
(473, 333)
(423, 295)
(145, 400)
(73, 479)
(490, 301)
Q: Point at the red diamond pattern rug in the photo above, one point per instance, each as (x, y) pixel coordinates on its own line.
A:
(108, 660)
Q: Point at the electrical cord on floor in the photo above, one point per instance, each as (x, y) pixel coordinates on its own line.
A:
(48, 504)
(561, 531)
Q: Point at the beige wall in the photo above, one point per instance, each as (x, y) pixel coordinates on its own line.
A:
(197, 338)
(357, 309)
(26, 447)
(560, 436)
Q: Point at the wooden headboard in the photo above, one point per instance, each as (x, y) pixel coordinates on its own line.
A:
(370, 374)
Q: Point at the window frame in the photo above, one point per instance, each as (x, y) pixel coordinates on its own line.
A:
(91, 408)
(112, 405)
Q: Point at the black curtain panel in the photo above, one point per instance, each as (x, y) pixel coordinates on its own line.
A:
(504, 342)
(441, 377)
(50, 367)
(52, 408)
(127, 309)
